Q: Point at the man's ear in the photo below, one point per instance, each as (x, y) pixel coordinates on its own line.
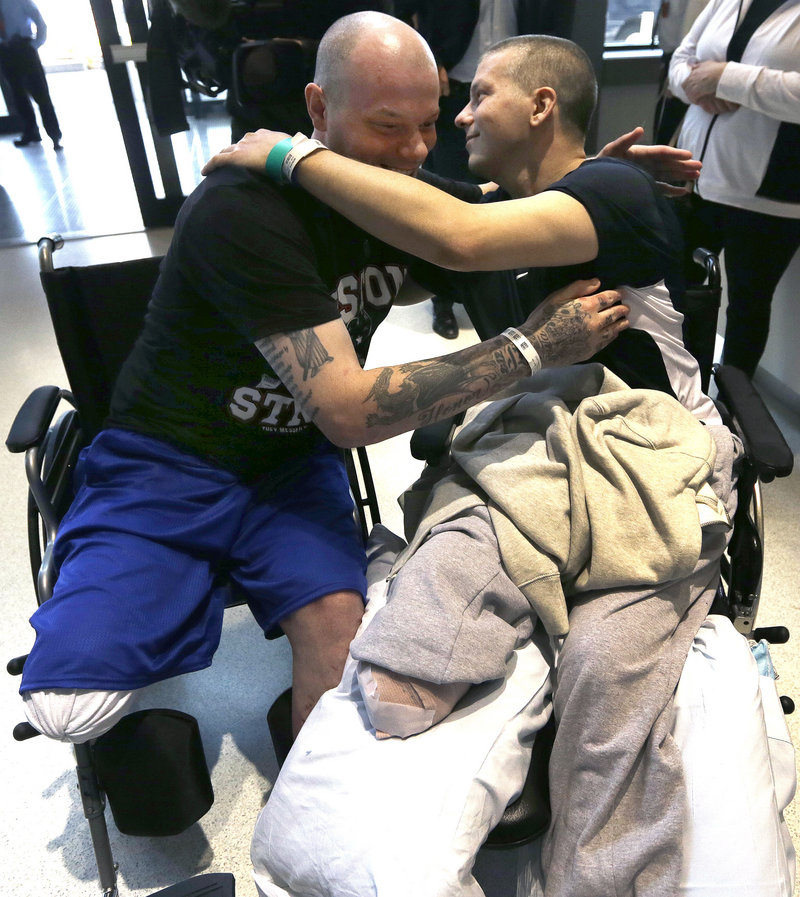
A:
(543, 104)
(317, 107)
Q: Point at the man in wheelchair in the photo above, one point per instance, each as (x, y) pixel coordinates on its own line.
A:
(218, 456)
(466, 593)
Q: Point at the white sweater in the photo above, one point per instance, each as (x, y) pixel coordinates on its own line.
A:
(766, 84)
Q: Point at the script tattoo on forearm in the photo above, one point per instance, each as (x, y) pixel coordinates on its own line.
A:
(434, 389)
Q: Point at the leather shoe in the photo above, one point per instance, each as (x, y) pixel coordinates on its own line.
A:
(27, 141)
(57, 145)
(444, 323)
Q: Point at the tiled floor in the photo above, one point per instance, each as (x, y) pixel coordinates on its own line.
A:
(44, 844)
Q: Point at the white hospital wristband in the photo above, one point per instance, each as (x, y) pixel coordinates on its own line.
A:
(300, 149)
(525, 347)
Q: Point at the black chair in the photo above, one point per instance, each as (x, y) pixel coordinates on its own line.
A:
(97, 313)
(767, 456)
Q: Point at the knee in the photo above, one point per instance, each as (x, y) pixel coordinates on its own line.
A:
(328, 621)
(75, 715)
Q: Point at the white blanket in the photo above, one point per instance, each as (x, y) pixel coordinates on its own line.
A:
(351, 816)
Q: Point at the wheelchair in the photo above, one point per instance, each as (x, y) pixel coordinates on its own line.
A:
(94, 337)
(766, 457)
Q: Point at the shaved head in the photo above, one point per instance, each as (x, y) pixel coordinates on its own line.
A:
(538, 60)
(367, 45)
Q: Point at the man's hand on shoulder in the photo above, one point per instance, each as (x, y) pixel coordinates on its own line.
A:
(250, 152)
(667, 164)
(574, 323)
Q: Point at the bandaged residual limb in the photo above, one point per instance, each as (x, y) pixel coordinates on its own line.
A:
(453, 618)
(399, 705)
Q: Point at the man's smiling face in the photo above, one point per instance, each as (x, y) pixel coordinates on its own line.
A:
(496, 121)
(386, 115)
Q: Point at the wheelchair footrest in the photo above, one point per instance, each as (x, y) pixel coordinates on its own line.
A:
(529, 815)
(153, 770)
(212, 884)
(279, 721)
(775, 635)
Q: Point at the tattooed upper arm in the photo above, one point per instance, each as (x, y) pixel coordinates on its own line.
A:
(302, 360)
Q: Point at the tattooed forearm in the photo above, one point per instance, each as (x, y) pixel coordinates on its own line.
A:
(434, 389)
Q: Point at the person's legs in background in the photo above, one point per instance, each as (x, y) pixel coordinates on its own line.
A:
(12, 62)
(444, 319)
(320, 634)
(23, 70)
(758, 250)
(36, 85)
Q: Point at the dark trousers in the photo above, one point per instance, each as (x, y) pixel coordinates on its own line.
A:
(22, 69)
(758, 250)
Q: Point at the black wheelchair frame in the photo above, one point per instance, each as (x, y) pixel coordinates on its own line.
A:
(94, 338)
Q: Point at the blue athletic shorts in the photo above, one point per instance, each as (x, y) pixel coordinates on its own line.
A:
(149, 537)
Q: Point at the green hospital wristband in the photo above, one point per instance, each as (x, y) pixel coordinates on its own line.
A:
(275, 159)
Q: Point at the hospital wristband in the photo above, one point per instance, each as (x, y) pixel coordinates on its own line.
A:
(298, 151)
(525, 346)
(275, 158)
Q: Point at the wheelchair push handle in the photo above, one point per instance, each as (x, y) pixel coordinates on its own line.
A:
(47, 246)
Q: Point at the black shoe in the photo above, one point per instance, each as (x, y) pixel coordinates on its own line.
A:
(27, 141)
(444, 323)
(57, 145)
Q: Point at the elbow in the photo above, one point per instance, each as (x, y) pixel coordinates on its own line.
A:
(342, 429)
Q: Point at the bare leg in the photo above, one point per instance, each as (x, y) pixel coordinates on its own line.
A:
(320, 634)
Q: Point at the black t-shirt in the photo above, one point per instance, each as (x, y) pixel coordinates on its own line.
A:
(639, 245)
(249, 259)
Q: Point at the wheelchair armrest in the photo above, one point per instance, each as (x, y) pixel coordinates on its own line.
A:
(34, 417)
(709, 262)
(763, 441)
(431, 442)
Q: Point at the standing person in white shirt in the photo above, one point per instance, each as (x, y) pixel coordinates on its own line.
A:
(738, 69)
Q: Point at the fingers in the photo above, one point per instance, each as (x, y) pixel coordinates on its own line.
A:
(714, 106)
(573, 290)
(671, 190)
(610, 316)
(622, 144)
(608, 298)
(218, 160)
(251, 151)
(616, 320)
